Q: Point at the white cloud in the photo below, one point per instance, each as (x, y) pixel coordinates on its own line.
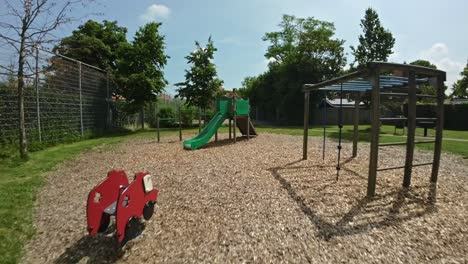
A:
(439, 55)
(154, 12)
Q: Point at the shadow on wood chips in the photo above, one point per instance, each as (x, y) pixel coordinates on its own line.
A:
(223, 142)
(101, 248)
(389, 209)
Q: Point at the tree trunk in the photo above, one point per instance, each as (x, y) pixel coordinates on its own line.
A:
(22, 129)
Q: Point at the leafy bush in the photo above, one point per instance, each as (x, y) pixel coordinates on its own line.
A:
(166, 111)
(188, 113)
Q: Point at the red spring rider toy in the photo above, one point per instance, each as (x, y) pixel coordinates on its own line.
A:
(128, 202)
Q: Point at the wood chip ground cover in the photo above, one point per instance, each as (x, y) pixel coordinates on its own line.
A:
(257, 201)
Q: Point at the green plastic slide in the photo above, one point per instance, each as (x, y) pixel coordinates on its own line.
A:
(207, 132)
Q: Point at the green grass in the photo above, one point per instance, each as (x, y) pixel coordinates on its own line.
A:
(20, 180)
(386, 136)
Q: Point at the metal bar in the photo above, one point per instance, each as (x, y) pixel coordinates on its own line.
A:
(109, 113)
(81, 99)
(402, 167)
(405, 118)
(180, 125)
(411, 123)
(375, 131)
(404, 143)
(306, 125)
(357, 99)
(142, 117)
(324, 123)
(426, 118)
(340, 128)
(157, 129)
(439, 128)
(73, 60)
(38, 108)
(405, 94)
(392, 118)
(199, 119)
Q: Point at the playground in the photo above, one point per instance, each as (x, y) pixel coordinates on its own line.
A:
(258, 201)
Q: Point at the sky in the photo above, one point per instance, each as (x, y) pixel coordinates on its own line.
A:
(424, 29)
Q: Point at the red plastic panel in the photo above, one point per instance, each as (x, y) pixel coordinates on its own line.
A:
(103, 196)
(131, 203)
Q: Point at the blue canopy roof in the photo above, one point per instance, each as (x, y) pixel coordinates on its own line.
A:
(362, 84)
(358, 81)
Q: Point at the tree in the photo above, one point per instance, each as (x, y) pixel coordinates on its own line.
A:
(423, 63)
(307, 43)
(95, 43)
(460, 88)
(28, 24)
(376, 43)
(426, 88)
(140, 67)
(304, 50)
(248, 88)
(201, 81)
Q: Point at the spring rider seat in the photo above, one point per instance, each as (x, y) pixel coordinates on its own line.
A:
(128, 202)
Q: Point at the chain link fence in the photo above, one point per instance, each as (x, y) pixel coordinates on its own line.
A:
(64, 99)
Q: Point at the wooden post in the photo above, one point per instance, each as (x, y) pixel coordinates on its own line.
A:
(234, 126)
(199, 120)
(411, 122)
(230, 128)
(439, 128)
(248, 122)
(157, 128)
(356, 123)
(306, 125)
(180, 125)
(375, 130)
(81, 99)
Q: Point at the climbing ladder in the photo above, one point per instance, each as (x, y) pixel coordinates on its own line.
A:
(410, 142)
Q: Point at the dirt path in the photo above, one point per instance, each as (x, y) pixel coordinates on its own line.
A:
(256, 201)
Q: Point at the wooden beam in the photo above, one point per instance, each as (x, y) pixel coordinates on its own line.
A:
(386, 66)
(234, 126)
(375, 131)
(411, 123)
(199, 119)
(439, 128)
(357, 99)
(306, 125)
(248, 121)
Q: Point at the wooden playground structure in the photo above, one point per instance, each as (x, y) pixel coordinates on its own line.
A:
(374, 79)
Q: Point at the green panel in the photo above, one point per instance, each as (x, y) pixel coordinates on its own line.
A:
(223, 105)
(242, 107)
